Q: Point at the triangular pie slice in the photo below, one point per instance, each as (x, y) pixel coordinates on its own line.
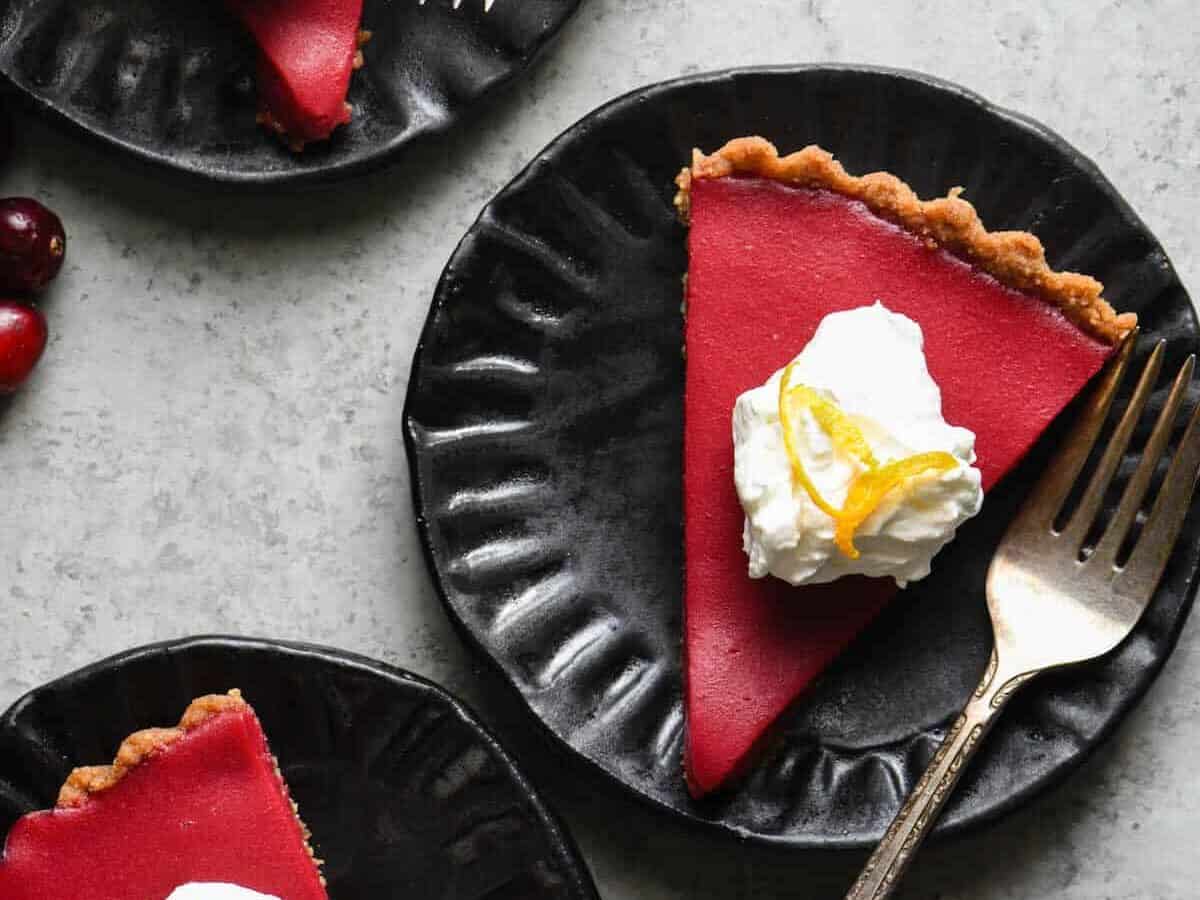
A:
(307, 51)
(775, 244)
(202, 802)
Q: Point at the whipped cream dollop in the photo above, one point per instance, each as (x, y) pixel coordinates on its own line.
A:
(216, 891)
(869, 363)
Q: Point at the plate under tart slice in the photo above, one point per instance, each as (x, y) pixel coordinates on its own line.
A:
(201, 802)
(776, 244)
(308, 49)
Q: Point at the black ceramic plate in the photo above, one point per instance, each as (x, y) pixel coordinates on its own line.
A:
(173, 83)
(407, 795)
(544, 427)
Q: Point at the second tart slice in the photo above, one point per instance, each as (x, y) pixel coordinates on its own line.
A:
(775, 245)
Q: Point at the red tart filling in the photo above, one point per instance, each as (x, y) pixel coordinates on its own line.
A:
(200, 803)
(308, 50)
(768, 261)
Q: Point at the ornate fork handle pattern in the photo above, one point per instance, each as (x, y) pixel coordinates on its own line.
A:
(891, 858)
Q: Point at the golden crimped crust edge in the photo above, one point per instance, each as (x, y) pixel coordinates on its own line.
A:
(87, 781)
(1015, 258)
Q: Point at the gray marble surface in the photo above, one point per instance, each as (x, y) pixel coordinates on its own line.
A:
(213, 442)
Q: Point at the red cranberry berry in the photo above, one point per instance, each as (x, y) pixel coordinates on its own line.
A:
(32, 245)
(22, 340)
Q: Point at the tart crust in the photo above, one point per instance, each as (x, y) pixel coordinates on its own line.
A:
(140, 746)
(1015, 258)
(85, 782)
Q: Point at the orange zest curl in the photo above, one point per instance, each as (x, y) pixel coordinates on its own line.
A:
(869, 487)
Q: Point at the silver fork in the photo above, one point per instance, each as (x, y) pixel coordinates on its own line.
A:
(487, 4)
(1053, 602)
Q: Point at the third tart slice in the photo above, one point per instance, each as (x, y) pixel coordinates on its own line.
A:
(203, 802)
(307, 51)
(775, 245)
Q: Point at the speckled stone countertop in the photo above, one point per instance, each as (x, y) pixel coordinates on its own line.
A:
(213, 441)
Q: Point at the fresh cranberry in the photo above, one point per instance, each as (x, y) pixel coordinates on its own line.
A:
(32, 245)
(22, 340)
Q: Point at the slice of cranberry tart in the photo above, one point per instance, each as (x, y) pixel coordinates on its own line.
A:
(775, 245)
(201, 803)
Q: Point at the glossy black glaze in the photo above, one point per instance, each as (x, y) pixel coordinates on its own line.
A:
(544, 425)
(406, 794)
(173, 83)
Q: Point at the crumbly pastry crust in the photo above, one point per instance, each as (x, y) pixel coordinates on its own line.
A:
(1015, 258)
(87, 781)
(140, 746)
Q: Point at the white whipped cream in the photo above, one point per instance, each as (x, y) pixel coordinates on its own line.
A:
(871, 363)
(214, 891)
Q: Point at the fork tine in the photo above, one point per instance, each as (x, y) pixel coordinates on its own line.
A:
(487, 4)
(1039, 511)
(1081, 520)
(1110, 543)
(1153, 547)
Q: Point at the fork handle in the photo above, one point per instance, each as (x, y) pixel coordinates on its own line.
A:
(891, 858)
